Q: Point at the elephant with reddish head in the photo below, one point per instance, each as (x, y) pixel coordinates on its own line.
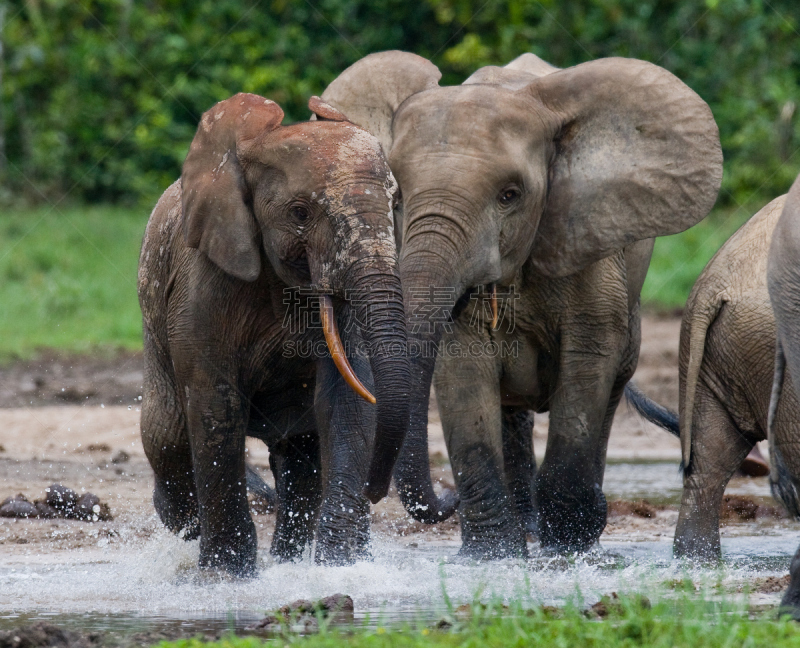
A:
(274, 239)
(537, 191)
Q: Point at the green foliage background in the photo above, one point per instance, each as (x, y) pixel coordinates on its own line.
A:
(100, 98)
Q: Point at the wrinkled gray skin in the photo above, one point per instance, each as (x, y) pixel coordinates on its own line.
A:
(783, 280)
(230, 346)
(552, 182)
(727, 352)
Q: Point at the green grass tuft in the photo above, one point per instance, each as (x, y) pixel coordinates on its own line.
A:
(628, 623)
(68, 280)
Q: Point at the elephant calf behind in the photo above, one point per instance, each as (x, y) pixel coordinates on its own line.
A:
(264, 219)
(727, 350)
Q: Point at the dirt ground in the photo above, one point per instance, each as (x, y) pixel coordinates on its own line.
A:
(76, 421)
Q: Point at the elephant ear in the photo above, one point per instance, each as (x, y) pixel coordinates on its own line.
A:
(531, 64)
(514, 76)
(637, 155)
(217, 218)
(371, 90)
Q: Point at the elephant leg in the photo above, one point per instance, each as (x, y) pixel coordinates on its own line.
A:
(520, 463)
(468, 393)
(346, 423)
(298, 481)
(217, 416)
(166, 444)
(790, 603)
(595, 361)
(718, 448)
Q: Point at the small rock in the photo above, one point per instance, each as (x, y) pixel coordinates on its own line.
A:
(62, 499)
(17, 507)
(608, 604)
(639, 508)
(773, 584)
(75, 393)
(121, 457)
(2, 448)
(301, 615)
(45, 511)
(99, 447)
(44, 635)
(740, 508)
(90, 508)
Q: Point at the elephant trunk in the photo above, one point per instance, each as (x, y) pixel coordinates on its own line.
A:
(428, 284)
(379, 310)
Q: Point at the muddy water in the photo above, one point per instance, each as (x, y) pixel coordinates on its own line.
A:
(148, 581)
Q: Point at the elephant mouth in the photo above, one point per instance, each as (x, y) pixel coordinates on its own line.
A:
(299, 266)
(463, 301)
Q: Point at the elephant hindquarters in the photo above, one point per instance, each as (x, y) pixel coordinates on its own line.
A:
(717, 450)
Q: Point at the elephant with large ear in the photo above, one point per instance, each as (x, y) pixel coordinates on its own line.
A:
(538, 191)
(726, 361)
(274, 240)
(783, 281)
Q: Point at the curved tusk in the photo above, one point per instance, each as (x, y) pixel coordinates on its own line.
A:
(494, 307)
(337, 349)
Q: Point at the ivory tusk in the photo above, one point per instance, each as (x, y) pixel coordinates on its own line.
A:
(337, 349)
(494, 307)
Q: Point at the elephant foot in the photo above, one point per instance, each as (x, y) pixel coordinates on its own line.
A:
(697, 548)
(287, 549)
(483, 551)
(339, 555)
(573, 522)
(232, 553)
(343, 533)
(790, 603)
(177, 512)
(492, 542)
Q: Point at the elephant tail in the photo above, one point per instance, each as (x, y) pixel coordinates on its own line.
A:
(698, 324)
(781, 482)
(260, 489)
(652, 411)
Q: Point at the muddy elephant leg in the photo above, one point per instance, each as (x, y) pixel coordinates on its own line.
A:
(166, 444)
(296, 466)
(346, 423)
(217, 415)
(718, 449)
(595, 348)
(468, 393)
(520, 463)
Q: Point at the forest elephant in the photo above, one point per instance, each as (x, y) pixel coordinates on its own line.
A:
(274, 239)
(783, 281)
(529, 200)
(726, 360)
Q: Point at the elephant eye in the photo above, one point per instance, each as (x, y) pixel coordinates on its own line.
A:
(509, 196)
(299, 212)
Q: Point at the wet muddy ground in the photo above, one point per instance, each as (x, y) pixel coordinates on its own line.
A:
(75, 422)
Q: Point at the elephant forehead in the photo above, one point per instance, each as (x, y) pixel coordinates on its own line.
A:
(484, 118)
(330, 148)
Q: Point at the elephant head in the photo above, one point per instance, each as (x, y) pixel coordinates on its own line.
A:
(526, 163)
(315, 201)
